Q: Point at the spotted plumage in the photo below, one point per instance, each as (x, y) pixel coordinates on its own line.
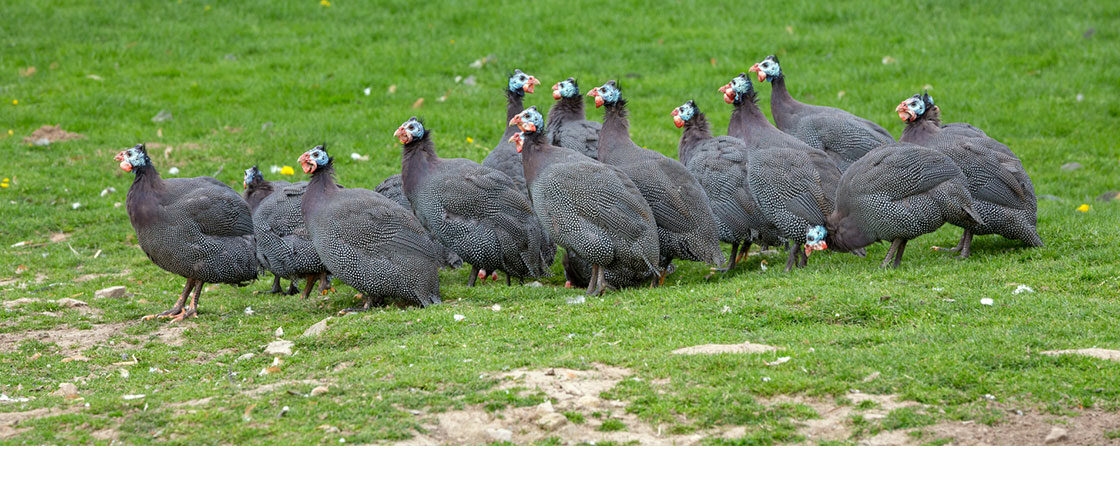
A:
(198, 228)
(686, 228)
(284, 244)
(504, 158)
(591, 209)
(367, 240)
(896, 193)
(1002, 192)
(568, 125)
(475, 211)
(392, 188)
(841, 135)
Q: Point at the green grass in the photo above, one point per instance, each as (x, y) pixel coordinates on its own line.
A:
(260, 82)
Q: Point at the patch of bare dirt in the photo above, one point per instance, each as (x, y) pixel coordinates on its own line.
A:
(70, 340)
(834, 421)
(570, 391)
(714, 348)
(1088, 428)
(53, 134)
(93, 276)
(1100, 353)
(9, 421)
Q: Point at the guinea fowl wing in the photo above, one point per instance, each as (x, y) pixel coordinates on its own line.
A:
(394, 233)
(996, 177)
(581, 136)
(213, 205)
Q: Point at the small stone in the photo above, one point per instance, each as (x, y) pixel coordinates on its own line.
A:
(123, 372)
(1108, 196)
(66, 390)
(71, 303)
(118, 291)
(321, 389)
(133, 397)
(545, 408)
(495, 307)
(459, 317)
(1071, 166)
(279, 332)
(576, 300)
(279, 347)
(1056, 435)
(173, 170)
(247, 356)
(552, 421)
(987, 301)
(499, 434)
(534, 284)
(871, 377)
(316, 329)
(588, 402)
(329, 428)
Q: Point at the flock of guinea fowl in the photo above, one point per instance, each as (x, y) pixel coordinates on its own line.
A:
(821, 179)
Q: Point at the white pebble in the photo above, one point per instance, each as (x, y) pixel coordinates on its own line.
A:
(75, 205)
(495, 307)
(173, 170)
(367, 91)
(987, 301)
(460, 317)
(1023, 288)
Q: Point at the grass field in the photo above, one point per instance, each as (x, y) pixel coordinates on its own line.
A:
(875, 356)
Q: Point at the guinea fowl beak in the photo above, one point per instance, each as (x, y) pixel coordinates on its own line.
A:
(809, 247)
(124, 163)
(402, 135)
(306, 164)
(677, 118)
(529, 84)
(904, 112)
(761, 74)
(556, 91)
(728, 93)
(516, 120)
(598, 98)
(517, 140)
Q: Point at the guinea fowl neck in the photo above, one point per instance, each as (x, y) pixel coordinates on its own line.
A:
(616, 129)
(418, 160)
(696, 130)
(920, 130)
(566, 109)
(320, 189)
(256, 193)
(747, 119)
(515, 102)
(781, 103)
(143, 199)
(533, 155)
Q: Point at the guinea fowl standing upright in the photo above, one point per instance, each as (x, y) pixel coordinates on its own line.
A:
(686, 228)
(504, 158)
(393, 189)
(367, 240)
(568, 126)
(843, 136)
(475, 211)
(591, 209)
(1002, 192)
(720, 164)
(198, 228)
(896, 192)
(280, 219)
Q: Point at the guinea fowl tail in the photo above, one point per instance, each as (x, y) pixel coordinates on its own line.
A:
(1031, 238)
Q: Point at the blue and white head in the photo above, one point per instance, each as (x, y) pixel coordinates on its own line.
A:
(684, 113)
(814, 239)
(768, 69)
(915, 107)
(737, 89)
(410, 131)
(521, 83)
(134, 157)
(529, 120)
(252, 175)
(565, 89)
(608, 93)
(315, 159)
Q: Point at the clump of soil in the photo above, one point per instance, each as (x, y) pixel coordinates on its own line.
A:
(53, 134)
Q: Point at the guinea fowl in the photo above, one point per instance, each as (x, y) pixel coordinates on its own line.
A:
(591, 209)
(794, 184)
(393, 189)
(256, 191)
(475, 211)
(504, 158)
(367, 240)
(568, 126)
(284, 245)
(198, 228)
(843, 136)
(686, 228)
(896, 192)
(1002, 192)
(720, 164)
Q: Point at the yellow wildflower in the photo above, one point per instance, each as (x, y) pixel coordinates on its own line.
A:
(10, 133)
(15, 102)
(4, 185)
(470, 140)
(206, 8)
(287, 170)
(1083, 208)
(325, 3)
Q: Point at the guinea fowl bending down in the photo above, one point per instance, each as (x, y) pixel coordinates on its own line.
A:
(276, 219)
(896, 192)
(843, 136)
(475, 211)
(393, 189)
(686, 228)
(367, 240)
(1002, 192)
(198, 228)
(720, 164)
(504, 158)
(794, 184)
(592, 210)
(568, 126)
(257, 189)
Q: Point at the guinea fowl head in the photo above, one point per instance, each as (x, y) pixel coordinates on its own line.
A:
(410, 131)
(684, 113)
(252, 175)
(913, 108)
(606, 94)
(737, 89)
(315, 159)
(565, 89)
(530, 122)
(521, 83)
(768, 69)
(814, 239)
(134, 157)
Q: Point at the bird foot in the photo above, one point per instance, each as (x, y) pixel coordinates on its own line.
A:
(352, 310)
(186, 313)
(170, 313)
(568, 284)
(326, 291)
(943, 249)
